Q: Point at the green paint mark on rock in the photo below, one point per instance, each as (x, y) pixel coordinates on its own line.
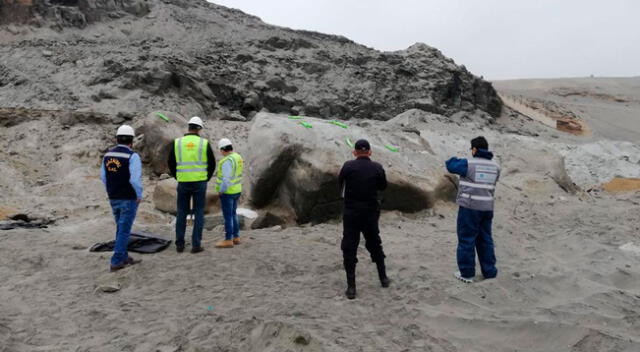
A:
(160, 115)
(306, 124)
(338, 123)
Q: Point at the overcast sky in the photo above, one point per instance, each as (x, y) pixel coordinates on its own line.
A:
(498, 39)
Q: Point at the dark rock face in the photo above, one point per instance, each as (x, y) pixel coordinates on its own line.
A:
(68, 13)
(197, 58)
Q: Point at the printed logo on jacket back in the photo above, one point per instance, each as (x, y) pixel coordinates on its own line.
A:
(113, 165)
(486, 174)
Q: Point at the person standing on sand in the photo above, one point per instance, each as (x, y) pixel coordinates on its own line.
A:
(476, 195)
(121, 173)
(191, 163)
(359, 181)
(229, 186)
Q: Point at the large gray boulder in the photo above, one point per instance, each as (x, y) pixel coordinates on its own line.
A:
(529, 165)
(165, 197)
(157, 135)
(157, 131)
(296, 168)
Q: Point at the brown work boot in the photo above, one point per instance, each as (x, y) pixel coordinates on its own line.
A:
(225, 244)
(236, 241)
(129, 261)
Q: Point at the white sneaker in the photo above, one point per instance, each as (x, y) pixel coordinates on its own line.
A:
(463, 279)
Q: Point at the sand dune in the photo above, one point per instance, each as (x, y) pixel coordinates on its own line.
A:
(609, 106)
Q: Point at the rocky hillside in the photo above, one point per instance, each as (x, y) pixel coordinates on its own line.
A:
(131, 56)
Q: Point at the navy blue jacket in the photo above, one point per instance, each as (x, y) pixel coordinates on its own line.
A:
(117, 175)
(461, 166)
(360, 180)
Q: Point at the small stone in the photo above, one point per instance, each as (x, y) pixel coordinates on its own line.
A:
(267, 220)
(13, 30)
(47, 53)
(301, 340)
(212, 221)
(111, 282)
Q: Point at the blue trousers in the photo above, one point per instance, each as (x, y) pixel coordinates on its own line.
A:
(474, 234)
(124, 212)
(229, 203)
(186, 192)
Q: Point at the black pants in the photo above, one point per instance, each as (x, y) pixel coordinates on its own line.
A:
(354, 222)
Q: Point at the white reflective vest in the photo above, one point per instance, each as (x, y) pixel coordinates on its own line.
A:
(477, 189)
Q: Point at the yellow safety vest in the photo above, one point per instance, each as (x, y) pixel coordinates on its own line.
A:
(237, 165)
(191, 158)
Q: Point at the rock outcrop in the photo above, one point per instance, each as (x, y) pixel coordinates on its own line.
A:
(294, 164)
(157, 131)
(165, 197)
(266, 220)
(197, 58)
(68, 13)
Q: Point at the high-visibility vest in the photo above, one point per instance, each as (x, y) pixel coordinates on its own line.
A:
(191, 158)
(237, 165)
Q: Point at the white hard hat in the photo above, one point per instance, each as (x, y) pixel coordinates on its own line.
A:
(224, 142)
(196, 121)
(125, 130)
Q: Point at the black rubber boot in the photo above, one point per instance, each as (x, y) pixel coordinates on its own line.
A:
(351, 286)
(350, 269)
(382, 273)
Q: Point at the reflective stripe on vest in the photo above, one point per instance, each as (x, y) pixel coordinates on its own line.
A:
(477, 185)
(480, 198)
(191, 164)
(237, 166)
(117, 155)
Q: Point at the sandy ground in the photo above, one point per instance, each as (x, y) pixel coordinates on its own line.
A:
(568, 280)
(564, 285)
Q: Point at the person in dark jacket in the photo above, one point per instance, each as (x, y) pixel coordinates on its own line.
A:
(121, 173)
(360, 181)
(192, 163)
(476, 193)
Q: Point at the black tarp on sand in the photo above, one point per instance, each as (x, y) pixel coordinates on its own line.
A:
(139, 242)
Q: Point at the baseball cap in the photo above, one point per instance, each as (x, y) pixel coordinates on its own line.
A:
(362, 144)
